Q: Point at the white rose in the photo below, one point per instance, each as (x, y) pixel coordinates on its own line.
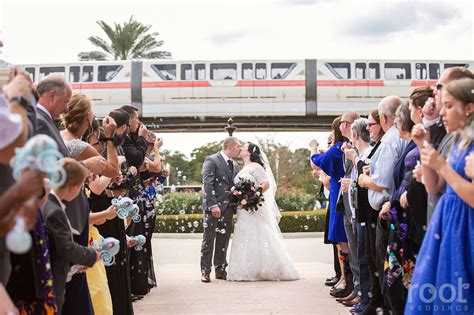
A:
(232, 189)
(244, 202)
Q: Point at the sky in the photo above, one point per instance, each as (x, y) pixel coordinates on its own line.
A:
(56, 31)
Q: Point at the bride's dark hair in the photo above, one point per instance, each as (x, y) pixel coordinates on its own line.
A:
(255, 154)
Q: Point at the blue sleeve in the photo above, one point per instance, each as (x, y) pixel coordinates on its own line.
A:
(329, 161)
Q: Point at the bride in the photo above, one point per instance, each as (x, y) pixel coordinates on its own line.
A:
(258, 251)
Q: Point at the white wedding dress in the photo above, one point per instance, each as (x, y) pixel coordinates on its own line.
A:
(258, 251)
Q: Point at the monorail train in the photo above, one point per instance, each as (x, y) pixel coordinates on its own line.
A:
(310, 87)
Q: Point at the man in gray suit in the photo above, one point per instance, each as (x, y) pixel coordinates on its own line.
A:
(218, 172)
(345, 126)
(54, 94)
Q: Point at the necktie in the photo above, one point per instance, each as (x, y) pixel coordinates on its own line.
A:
(231, 165)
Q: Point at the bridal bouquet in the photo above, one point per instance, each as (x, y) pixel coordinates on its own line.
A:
(246, 196)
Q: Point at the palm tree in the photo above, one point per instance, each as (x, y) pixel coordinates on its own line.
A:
(125, 41)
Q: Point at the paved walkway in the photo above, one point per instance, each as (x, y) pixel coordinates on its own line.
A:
(180, 290)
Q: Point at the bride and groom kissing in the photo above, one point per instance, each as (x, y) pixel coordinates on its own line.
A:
(258, 252)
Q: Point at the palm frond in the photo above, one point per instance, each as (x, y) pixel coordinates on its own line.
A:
(130, 40)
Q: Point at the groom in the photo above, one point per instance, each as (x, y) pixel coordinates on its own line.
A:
(218, 172)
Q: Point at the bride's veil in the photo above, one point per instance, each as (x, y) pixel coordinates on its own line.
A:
(269, 196)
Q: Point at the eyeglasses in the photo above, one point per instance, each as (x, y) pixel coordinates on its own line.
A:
(372, 124)
(439, 86)
(344, 122)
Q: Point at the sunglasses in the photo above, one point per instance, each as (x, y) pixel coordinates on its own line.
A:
(439, 86)
(372, 124)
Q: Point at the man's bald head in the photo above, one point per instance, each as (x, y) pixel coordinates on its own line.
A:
(346, 121)
(388, 106)
(455, 73)
(54, 94)
(350, 117)
(387, 109)
(53, 82)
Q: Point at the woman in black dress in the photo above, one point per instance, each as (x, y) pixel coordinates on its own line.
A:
(118, 275)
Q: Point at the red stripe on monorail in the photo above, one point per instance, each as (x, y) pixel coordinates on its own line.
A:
(105, 85)
(271, 83)
(350, 83)
(256, 83)
(176, 84)
(423, 83)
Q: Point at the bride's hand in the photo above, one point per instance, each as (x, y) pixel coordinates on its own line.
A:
(265, 186)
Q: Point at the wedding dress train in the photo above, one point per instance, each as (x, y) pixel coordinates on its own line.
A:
(258, 251)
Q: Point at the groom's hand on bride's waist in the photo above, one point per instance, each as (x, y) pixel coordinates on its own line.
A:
(216, 212)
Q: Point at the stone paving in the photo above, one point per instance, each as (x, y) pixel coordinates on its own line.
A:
(180, 290)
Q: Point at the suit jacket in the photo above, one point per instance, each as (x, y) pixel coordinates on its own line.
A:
(217, 179)
(63, 250)
(348, 165)
(76, 210)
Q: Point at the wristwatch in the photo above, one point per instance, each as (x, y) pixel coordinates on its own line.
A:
(20, 100)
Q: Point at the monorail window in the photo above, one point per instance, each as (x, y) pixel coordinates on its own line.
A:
(186, 72)
(74, 73)
(282, 70)
(397, 71)
(450, 65)
(341, 70)
(223, 71)
(247, 71)
(360, 69)
(166, 72)
(31, 72)
(200, 71)
(107, 73)
(374, 71)
(434, 71)
(87, 73)
(44, 71)
(421, 72)
(260, 71)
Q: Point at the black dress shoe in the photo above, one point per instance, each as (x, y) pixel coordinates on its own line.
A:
(332, 282)
(352, 296)
(205, 277)
(136, 297)
(221, 275)
(341, 292)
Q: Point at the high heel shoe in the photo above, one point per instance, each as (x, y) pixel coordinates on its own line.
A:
(349, 287)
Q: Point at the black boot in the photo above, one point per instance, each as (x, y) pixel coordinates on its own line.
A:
(347, 290)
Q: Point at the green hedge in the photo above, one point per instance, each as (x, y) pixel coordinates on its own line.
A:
(291, 221)
(188, 203)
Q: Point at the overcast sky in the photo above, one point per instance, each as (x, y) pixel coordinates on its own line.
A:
(55, 31)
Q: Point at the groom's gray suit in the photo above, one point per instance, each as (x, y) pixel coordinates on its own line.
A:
(217, 178)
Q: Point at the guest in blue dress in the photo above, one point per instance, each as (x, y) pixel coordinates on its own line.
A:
(332, 164)
(443, 281)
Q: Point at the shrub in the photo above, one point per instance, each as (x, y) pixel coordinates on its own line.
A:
(292, 201)
(180, 203)
(291, 221)
(187, 203)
